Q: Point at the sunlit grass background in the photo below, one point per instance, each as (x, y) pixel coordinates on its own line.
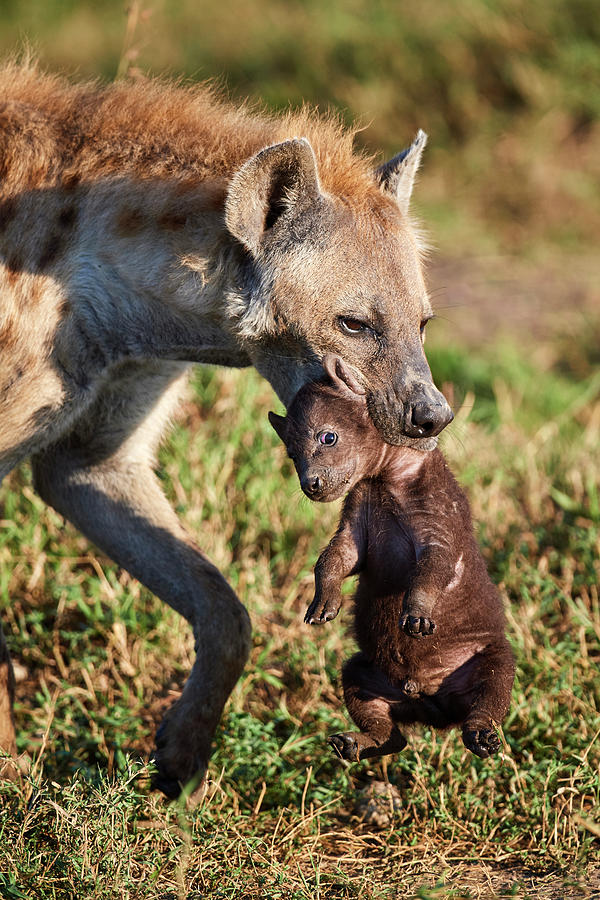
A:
(509, 193)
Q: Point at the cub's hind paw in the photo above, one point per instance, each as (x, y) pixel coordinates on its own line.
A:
(416, 626)
(346, 746)
(483, 742)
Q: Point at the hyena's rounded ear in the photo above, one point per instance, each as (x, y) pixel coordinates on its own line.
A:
(397, 176)
(279, 423)
(341, 376)
(278, 180)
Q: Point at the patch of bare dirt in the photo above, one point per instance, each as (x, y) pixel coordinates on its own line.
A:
(483, 298)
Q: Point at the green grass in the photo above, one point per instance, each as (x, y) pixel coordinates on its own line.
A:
(100, 660)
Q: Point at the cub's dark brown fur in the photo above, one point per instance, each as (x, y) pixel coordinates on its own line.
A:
(428, 620)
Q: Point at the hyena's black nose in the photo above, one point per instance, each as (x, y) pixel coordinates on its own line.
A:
(426, 417)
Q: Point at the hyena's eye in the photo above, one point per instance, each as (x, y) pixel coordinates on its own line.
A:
(329, 438)
(353, 326)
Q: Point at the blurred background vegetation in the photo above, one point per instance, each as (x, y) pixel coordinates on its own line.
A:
(507, 90)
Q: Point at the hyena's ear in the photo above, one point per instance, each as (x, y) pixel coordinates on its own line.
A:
(279, 423)
(398, 175)
(278, 180)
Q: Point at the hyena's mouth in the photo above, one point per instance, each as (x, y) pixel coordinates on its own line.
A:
(390, 419)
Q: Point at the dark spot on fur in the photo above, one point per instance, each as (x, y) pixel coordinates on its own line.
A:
(35, 289)
(8, 336)
(18, 372)
(14, 264)
(67, 217)
(172, 220)
(50, 251)
(8, 209)
(130, 222)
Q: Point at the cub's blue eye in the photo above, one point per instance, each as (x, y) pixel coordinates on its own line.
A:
(329, 438)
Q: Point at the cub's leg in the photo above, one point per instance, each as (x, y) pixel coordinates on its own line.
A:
(494, 678)
(102, 479)
(378, 735)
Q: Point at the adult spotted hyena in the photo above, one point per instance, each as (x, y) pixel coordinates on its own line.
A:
(144, 227)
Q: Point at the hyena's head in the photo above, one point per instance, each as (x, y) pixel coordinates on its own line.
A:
(329, 435)
(324, 275)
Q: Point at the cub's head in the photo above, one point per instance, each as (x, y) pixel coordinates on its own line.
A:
(329, 435)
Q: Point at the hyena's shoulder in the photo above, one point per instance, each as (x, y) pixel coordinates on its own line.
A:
(77, 164)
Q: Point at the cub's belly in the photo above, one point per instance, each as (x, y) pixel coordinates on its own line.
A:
(439, 692)
(444, 672)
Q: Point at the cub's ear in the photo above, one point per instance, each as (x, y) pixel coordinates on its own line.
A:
(279, 423)
(278, 180)
(397, 176)
(341, 376)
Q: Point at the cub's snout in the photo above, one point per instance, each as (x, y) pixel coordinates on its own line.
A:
(323, 484)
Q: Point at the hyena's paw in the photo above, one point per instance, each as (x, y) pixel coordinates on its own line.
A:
(177, 765)
(346, 745)
(416, 626)
(483, 742)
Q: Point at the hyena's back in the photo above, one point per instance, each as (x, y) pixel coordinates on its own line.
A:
(123, 168)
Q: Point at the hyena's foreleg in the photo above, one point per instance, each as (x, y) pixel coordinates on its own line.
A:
(102, 480)
(8, 745)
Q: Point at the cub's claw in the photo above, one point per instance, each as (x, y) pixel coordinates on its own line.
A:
(321, 611)
(483, 742)
(346, 746)
(416, 626)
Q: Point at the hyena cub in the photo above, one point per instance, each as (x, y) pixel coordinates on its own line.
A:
(428, 620)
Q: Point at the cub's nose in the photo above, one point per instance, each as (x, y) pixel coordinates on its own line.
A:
(311, 485)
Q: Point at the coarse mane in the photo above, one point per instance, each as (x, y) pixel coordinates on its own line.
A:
(156, 129)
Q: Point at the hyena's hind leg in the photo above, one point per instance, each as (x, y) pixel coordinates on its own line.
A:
(370, 711)
(8, 744)
(102, 480)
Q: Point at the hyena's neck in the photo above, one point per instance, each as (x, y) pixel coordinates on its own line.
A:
(126, 269)
(155, 259)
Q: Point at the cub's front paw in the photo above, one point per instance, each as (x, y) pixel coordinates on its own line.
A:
(321, 611)
(483, 742)
(346, 745)
(416, 626)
